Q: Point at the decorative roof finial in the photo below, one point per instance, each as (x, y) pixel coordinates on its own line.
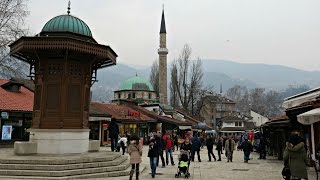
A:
(69, 3)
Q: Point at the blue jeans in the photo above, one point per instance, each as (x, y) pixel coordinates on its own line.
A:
(246, 156)
(153, 165)
(169, 152)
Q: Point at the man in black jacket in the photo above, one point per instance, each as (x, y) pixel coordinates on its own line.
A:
(219, 148)
(113, 129)
(247, 148)
(153, 155)
(209, 145)
(160, 143)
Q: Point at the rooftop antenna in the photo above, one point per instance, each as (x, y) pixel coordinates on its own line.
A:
(69, 3)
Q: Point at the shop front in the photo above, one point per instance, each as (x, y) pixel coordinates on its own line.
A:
(13, 126)
(99, 129)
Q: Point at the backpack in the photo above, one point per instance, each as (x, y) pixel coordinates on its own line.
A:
(121, 143)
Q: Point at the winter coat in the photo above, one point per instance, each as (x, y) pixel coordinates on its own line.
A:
(113, 129)
(160, 143)
(230, 145)
(196, 144)
(169, 143)
(209, 144)
(296, 156)
(186, 147)
(135, 152)
(219, 145)
(153, 149)
(246, 146)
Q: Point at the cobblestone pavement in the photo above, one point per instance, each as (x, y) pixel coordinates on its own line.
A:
(269, 169)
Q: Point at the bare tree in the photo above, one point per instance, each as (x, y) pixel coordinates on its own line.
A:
(265, 103)
(174, 99)
(12, 16)
(186, 79)
(240, 95)
(257, 100)
(273, 102)
(154, 76)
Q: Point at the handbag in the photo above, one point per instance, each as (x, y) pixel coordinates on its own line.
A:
(286, 173)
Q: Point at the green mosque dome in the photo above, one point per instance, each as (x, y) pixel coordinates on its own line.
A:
(136, 83)
(67, 23)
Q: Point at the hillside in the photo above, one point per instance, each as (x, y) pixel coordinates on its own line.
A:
(216, 72)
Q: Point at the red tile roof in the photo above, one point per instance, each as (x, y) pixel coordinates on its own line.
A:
(15, 101)
(160, 118)
(121, 112)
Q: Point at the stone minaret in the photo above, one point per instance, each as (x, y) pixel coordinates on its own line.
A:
(163, 51)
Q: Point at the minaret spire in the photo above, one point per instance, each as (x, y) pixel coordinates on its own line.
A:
(163, 22)
(163, 52)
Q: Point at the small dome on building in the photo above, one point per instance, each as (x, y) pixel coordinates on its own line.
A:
(136, 83)
(67, 23)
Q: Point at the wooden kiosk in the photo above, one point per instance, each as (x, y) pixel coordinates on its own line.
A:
(64, 59)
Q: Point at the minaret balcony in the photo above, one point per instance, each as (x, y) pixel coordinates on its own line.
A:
(162, 51)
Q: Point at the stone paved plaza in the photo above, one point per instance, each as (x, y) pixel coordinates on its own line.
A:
(269, 169)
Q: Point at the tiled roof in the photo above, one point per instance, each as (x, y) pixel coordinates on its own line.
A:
(279, 118)
(233, 129)
(161, 118)
(231, 119)
(249, 125)
(15, 101)
(120, 112)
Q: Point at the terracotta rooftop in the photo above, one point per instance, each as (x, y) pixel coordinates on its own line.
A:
(233, 129)
(158, 117)
(120, 112)
(15, 101)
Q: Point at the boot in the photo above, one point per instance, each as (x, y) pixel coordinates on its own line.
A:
(131, 174)
(137, 175)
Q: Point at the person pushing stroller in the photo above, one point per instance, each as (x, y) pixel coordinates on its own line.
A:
(184, 159)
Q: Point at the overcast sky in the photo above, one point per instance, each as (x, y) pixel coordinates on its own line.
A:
(285, 32)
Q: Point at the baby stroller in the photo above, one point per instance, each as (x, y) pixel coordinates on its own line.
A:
(183, 165)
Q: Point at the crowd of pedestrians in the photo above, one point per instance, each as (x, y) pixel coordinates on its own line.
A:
(295, 158)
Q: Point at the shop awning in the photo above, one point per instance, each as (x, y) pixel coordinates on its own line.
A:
(92, 118)
(184, 127)
(309, 117)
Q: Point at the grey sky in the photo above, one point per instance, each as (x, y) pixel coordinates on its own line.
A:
(285, 32)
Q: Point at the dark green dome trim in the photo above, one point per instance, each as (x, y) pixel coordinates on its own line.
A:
(67, 23)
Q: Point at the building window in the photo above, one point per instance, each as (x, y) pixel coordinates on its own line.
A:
(133, 95)
(129, 96)
(119, 96)
(240, 123)
(236, 123)
(150, 96)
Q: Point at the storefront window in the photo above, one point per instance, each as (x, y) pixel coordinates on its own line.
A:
(94, 130)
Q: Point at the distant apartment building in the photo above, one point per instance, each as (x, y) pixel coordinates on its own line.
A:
(258, 119)
(235, 126)
(215, 107)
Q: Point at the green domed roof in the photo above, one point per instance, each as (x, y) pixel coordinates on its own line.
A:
(67, 23)
(136, 83)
